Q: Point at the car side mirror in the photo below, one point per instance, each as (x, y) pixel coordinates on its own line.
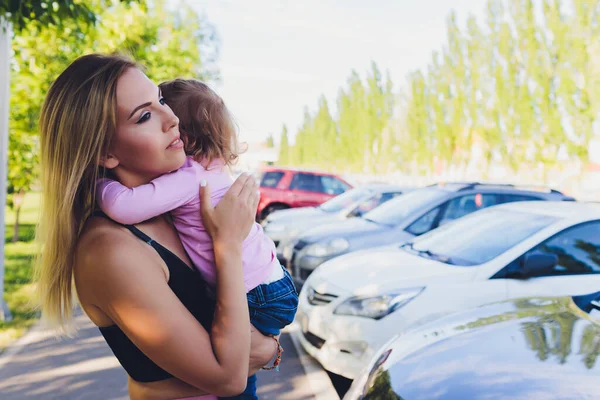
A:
(538, 264)
(355, 213)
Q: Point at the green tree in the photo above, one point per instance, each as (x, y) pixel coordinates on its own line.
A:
(378, 113)
(23, 144)
(169, 43)
(352, 123)
(284, 147)
(56, 12)
(325, 135)
(418, 138)
(270, 142)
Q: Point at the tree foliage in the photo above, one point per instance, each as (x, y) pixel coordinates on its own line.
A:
(520, 88)
(170, 43)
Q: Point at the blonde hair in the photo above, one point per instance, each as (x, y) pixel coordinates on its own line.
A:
(77, 122)
(206, 124)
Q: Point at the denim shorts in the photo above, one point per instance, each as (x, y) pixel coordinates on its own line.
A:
(273, 306)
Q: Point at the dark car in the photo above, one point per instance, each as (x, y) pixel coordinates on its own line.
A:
(282, 188)
(532, 348)
(400, 220)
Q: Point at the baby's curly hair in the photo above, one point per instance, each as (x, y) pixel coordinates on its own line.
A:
(206, 125)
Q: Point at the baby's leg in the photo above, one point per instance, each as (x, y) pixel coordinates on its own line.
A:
(273, 306)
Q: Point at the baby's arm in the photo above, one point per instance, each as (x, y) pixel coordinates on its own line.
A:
(134, 205)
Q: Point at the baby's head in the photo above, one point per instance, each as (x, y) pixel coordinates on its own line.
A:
(206, 125)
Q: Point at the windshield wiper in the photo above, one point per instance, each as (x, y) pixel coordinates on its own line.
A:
(411, 246)
(377, 222)
(429, 254)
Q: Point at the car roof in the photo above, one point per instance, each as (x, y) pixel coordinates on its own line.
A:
(270, 168)
(561, 209)
(385, 187)
(502, 188)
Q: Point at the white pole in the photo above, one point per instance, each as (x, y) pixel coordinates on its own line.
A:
(5, 53)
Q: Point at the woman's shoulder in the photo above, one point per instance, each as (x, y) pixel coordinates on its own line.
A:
(104, 245)
(110, 263)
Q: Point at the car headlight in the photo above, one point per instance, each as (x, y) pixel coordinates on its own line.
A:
(274, 227)
(329, 248)
(377, 307)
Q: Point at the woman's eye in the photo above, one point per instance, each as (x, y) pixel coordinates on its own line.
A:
(161, 101)
(145, 117)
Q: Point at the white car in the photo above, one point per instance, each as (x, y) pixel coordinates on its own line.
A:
(351, 305)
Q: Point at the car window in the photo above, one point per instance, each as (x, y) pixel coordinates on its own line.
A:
(510, 198)
(396, 210)
(463, 205)
(478, 238)
(577, 249)
(425, 223)
(388, 196)
(307, 182)
(346, 199)
(333, 185)
(367, 205)
(271, 179)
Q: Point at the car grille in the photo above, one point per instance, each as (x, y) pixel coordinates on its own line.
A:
(314, 340)
(319, 299)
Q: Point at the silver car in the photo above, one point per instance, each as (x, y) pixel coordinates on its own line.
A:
(285, 225)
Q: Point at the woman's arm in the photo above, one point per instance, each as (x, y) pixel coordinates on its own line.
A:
(262, 351)
(130, 287)
(163, 194)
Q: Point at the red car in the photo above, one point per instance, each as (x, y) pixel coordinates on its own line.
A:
(282, 188)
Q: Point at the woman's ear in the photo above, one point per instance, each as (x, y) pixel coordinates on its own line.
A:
(109, 161)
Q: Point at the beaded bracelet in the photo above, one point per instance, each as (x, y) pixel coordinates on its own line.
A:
(275, 365)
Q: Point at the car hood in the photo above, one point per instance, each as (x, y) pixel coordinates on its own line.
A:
(292, 214)
(371, 271)
(528, 348)
(346, 228)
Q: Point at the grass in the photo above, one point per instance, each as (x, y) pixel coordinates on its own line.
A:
(18, 260)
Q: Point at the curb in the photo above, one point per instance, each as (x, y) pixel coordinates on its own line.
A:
(318, 379)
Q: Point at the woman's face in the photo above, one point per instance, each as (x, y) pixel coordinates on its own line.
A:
(147, 142)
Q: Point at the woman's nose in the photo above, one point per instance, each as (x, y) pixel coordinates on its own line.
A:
(171, 121)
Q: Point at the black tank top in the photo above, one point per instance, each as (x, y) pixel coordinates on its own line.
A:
(191, 289)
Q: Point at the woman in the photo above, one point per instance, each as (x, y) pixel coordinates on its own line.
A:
(103, 116)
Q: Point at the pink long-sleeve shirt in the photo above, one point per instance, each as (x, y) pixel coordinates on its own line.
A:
(178, 192)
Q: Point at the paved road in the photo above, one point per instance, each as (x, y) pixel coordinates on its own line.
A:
(42, 367)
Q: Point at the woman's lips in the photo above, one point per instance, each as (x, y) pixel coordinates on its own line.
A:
(176, 144)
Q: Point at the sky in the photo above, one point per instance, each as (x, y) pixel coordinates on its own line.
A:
(276, 57)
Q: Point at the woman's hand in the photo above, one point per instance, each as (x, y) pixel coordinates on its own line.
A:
(230, 221)
(262, 351)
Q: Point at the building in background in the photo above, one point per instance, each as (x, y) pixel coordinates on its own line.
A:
(257, 154)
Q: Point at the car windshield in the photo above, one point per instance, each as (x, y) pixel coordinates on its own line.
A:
(342, 201)
(396, 210)
(479, 237)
